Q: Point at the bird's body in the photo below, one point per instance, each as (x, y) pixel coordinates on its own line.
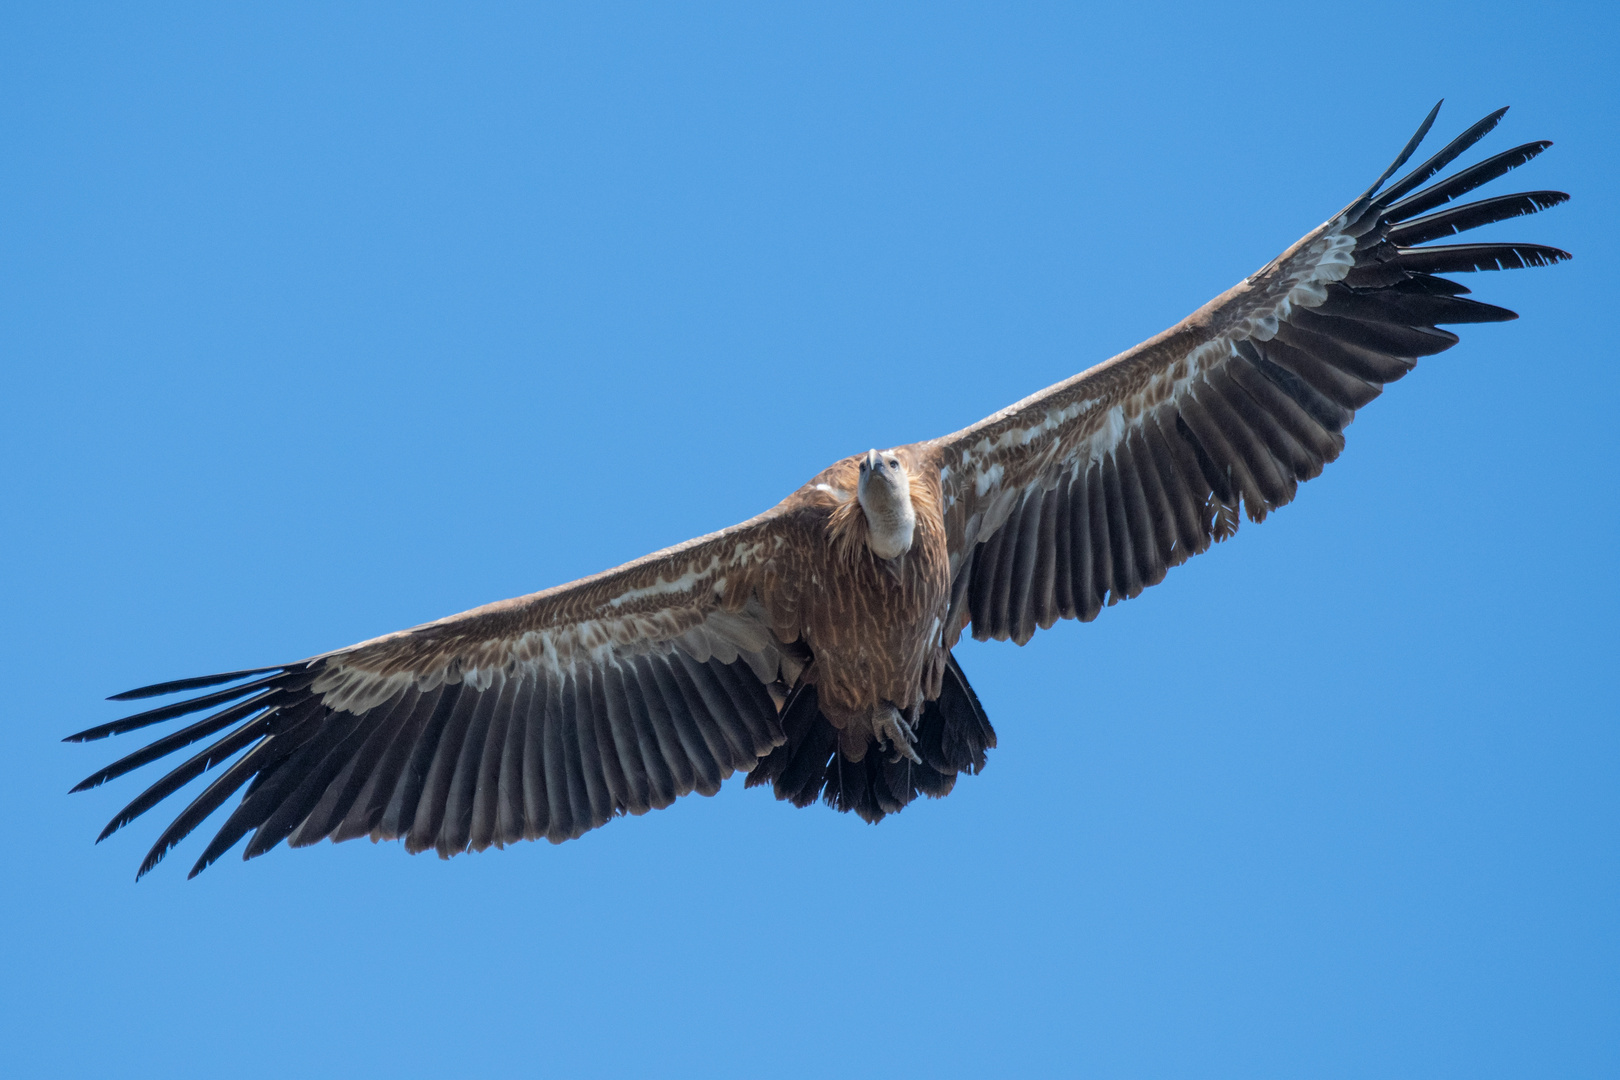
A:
(811, 646)
(875, 611)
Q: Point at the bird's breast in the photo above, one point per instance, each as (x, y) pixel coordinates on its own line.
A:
(874, 625)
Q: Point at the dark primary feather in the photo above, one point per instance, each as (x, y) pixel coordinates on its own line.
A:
(1400, 159)
(222, 750)
(1471, 216)
(175, 740)
(1462, 258)
(1462, 182)
(197, 811)
(179, 685)
(179, 708)
(1408, 309)
(251, 768)
(1447, 154)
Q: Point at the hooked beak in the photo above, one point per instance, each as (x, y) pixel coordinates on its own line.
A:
(874, 461)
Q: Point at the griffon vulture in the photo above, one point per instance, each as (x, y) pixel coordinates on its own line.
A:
(810, 647)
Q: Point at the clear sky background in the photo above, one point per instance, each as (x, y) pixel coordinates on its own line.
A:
(322, 322)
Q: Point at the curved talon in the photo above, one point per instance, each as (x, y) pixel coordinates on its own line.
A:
(893, 727)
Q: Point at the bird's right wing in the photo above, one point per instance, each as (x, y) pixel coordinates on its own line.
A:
(1087, 492)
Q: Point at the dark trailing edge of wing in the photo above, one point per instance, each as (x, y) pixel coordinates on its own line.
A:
(1251, 428)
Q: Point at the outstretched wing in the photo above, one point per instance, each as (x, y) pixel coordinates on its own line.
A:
(540, 716)
(1088, 492)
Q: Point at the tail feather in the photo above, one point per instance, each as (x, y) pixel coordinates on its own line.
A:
(952, 738)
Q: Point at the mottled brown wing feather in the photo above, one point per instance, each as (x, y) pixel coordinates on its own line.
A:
(546, 715)
(1088, 492)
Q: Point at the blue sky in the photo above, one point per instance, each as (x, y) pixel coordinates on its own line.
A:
(324, 322)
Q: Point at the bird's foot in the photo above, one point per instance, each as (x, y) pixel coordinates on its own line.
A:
(892, 726)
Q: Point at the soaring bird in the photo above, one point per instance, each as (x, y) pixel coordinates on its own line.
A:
(810, 647)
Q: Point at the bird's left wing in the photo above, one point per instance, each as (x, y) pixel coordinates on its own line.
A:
(541, 716)
(1086, 493)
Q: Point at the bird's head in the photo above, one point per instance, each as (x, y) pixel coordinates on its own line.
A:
(885, 494)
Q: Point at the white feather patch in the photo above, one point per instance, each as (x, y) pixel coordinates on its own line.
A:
(988, 478)
(666, 586)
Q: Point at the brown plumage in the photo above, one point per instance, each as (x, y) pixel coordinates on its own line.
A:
(811, 646)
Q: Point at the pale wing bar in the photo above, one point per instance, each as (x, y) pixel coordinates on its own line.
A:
(1255, 423)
